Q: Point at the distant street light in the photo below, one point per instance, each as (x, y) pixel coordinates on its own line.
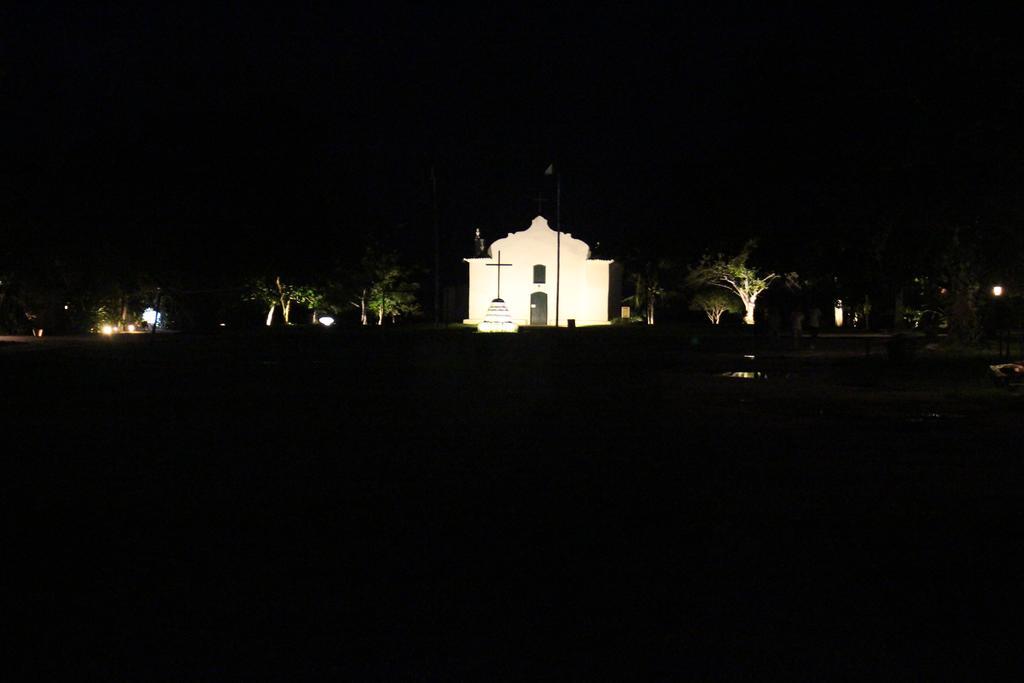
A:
(997, 290)
(326, 321)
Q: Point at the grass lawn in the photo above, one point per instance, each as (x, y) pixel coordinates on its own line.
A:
(444, 505)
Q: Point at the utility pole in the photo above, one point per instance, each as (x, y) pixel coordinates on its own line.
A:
(437, 248)
(558, 241)
(550, 170)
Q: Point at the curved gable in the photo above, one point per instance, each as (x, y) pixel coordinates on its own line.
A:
(538, 236)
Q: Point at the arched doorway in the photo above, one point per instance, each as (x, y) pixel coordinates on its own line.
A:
(539, 308)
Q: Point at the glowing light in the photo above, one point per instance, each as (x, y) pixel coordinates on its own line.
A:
(326, 321)
(65, 307)
(131, 328)
(107, 330)
(997, 290)
(223, 324)
(839, 313)
(745, 374)
(150, 316)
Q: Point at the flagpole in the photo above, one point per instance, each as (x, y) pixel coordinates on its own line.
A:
(558, 242)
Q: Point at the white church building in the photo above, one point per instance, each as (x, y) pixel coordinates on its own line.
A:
(538, 272)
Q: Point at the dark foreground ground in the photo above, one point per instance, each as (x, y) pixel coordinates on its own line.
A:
(449, 506)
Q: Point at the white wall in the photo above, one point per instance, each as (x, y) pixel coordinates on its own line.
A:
(584, 282)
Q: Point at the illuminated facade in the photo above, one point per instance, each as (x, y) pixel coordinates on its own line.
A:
(587, 288)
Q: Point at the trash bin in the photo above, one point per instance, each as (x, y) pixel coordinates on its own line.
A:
(571, 322)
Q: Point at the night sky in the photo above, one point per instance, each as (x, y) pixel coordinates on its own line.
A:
(220, 134)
